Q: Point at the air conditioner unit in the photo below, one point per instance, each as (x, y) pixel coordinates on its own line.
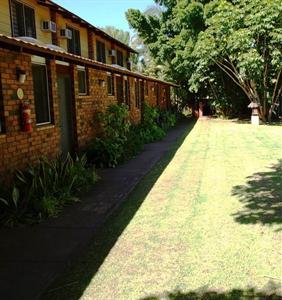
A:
(66, 34)
(112, 52)
(48, 26)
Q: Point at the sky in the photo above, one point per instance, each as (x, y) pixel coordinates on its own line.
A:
(101, 13)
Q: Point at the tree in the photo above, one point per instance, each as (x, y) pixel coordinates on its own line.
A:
(119, 34)
(145, 63)
(244, 40)
(170, 37)
(198, 42)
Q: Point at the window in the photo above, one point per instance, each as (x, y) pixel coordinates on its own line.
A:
(146, 88)
(41, 97)
(1, 124)
(141, 92)
(82, 81)
(119, 81)
(127, 92)
(23, 20)
(119, 58)
(157, 93)
(156, 89)
(137, 95)
(101, 52)
(74, 43)
(111, 84)
(2, 127)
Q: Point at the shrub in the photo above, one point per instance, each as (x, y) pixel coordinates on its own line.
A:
(44, 189)
(120, 140)
(150, 128)
(167, 119)
(134, 143)
(108, 149)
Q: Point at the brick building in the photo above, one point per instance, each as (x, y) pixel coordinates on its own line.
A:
(67, 70)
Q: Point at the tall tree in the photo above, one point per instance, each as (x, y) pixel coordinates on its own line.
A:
(119, 34)
(170, 37)
(145, 63)
(244, 40)
(196, 41)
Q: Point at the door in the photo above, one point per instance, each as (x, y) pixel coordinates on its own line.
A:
(66, 112)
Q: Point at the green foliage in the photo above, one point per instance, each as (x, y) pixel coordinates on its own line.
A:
(150, 129)
(134, 143)
(202, 41)
(107, 150)
(13, 208)
(242, 39)
(45, 188)
(119, 34)
(120, 140)
(167, 119)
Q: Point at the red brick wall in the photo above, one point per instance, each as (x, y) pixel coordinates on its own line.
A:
(96, 101)
(18, 148)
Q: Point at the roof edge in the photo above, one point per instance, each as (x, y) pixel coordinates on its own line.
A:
(35, 49)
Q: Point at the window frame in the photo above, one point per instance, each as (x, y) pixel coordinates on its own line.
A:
(127, 91)
(85, 71)
(120, 60)
(137, 93)
(24, 18)
(146, 87)
(119, 80)
(141, 92)
(112, 80)
(48, 96)
(73, 39)
(2, 117)
(103, 55)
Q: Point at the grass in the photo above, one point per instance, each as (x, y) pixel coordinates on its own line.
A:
(205, 223)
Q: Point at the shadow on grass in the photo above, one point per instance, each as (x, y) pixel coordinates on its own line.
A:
(71, 284)
(262, 197)
(235, 294)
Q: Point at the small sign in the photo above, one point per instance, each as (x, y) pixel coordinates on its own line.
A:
(20, 93)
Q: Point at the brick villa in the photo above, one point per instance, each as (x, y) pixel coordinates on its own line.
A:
(67, 70)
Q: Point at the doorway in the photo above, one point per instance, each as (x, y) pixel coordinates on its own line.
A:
(66, 112)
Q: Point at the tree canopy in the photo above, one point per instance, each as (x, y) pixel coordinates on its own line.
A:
(211, 46)
(119, 34)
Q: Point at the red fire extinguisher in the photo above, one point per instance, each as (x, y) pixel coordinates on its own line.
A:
(26, 117)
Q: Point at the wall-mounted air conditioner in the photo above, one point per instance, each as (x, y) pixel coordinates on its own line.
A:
(48, 26)
(66, 34)
(112, 52)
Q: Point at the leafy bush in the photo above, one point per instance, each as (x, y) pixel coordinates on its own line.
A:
(13, 208)
(108, 149)
(134, 143)
(167, 119)
(120, 140)
(150, 128)
(44, 189)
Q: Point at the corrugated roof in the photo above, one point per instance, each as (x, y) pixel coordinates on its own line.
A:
(39, 49)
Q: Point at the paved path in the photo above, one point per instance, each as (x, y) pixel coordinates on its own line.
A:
(31, 257)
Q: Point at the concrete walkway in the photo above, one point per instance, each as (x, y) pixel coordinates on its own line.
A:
(31, 257)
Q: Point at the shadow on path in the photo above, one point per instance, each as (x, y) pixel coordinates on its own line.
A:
(262, 197)
(71, 284)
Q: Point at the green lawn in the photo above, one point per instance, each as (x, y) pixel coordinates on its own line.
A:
(205, 223)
